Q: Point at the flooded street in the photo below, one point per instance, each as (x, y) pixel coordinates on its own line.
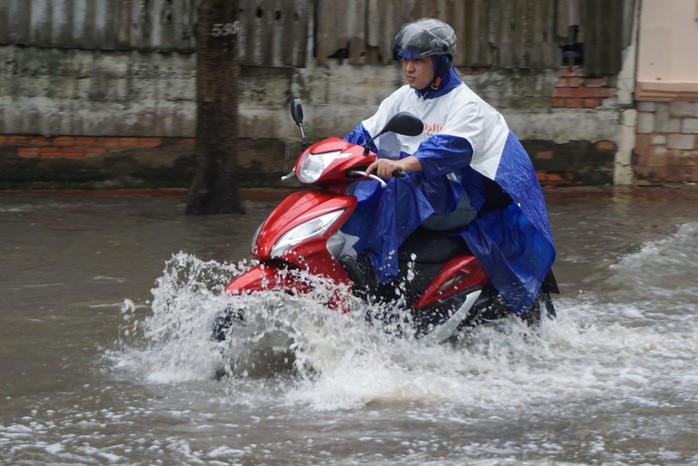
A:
(105, 356)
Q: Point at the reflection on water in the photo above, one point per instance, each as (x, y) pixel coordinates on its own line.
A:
(106, 356)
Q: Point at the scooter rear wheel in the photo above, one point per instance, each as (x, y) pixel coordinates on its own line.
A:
(543, 305)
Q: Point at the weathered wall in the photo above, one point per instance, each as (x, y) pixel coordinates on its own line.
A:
(126, 102)
(52, 91)
(113, 80)
(666, 148)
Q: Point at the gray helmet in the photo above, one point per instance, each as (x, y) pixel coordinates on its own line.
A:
(424, 37)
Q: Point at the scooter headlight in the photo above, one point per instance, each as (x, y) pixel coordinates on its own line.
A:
(312, 165)
(310, 229)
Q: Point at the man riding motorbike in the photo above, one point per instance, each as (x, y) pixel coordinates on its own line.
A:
(466, 174)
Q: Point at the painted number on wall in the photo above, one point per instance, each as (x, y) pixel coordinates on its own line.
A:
(225, 29)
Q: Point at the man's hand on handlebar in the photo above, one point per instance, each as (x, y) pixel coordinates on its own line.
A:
(387, 168)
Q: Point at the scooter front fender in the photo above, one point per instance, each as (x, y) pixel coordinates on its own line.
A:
(266, 277)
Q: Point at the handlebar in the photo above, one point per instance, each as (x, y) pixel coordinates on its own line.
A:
(357, 173)
(373, 177)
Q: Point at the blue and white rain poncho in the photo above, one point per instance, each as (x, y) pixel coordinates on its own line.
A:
(464, 139)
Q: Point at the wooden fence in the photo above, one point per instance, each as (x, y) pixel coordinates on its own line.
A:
(501, 33)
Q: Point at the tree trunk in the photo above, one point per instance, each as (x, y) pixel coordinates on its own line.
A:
(214, 189)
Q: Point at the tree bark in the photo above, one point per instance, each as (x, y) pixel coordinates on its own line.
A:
(214, 188)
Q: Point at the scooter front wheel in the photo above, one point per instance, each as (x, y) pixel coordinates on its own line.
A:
(230, 317)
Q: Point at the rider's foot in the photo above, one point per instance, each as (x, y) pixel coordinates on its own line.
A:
(361, 272)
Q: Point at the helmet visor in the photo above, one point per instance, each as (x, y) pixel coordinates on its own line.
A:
(423, 38)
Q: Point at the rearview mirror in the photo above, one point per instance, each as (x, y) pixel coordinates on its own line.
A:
(401, 123)
(297, 110)
(404, 123)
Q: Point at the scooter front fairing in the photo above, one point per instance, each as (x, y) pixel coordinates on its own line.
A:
(296, 235)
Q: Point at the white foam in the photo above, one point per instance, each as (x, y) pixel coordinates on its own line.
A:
(338, 361)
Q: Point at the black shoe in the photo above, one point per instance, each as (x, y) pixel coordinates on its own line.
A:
(362, 273)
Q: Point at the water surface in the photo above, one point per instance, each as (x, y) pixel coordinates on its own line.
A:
(105, 356)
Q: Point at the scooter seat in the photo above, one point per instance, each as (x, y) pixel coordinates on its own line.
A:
(431, 247)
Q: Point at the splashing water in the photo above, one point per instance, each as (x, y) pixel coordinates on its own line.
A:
(172, 344)
(331, 360)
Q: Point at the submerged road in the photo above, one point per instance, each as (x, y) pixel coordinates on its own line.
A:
(104, 353)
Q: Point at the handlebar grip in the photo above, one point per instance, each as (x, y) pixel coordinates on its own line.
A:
(399, 174)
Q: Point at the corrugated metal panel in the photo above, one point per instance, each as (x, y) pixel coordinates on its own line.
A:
(476, 38)
(602, 26)
(503, 33)
(567, 15)
(525, 34)
(14, 17)
(274, 32)
(509, 34)
(99, 24)
(383, 21)
(605, 28)
(469, 19)
(341, 30)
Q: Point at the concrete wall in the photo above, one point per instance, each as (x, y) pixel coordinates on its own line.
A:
(52, 91)
(134, 107)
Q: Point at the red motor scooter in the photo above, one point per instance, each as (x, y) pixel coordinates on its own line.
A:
(441, 283)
